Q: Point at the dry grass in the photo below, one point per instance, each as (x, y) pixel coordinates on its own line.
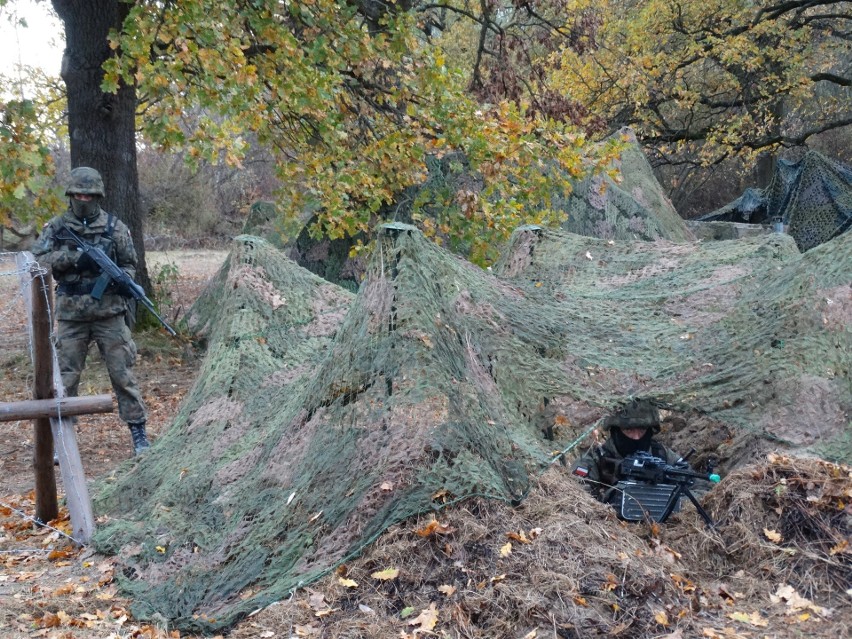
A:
(584, 573)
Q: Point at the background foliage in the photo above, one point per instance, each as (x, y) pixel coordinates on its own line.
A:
(338, 108)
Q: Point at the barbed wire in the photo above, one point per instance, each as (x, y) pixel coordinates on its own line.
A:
(42, 524)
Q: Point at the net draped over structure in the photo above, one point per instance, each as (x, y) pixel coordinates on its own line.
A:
(811, 197)
(320, 418)
(631, 205)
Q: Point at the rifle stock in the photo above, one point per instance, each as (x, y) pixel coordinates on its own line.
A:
(111, 272)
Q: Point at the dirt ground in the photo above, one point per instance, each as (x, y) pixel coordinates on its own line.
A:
(42, 577)
(165, 368)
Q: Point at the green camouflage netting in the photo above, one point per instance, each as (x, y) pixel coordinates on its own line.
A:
(630, 206)
(320, 419)
(812, 197)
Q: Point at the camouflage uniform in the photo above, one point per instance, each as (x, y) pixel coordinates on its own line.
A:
(81, 318)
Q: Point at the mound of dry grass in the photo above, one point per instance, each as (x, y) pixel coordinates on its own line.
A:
(562, 565)
(788, 520)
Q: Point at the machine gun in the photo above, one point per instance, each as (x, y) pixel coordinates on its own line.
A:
(652, 488)
(111, 272)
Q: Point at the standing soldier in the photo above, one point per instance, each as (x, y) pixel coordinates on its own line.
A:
(81, 318)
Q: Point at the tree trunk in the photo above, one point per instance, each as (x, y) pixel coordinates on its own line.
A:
(101, 125)
(764, 169)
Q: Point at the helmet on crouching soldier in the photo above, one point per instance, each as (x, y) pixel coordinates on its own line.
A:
(637, 413)
(633, 425)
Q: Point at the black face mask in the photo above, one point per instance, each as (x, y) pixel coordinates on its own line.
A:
(626, 446)
(85, 211)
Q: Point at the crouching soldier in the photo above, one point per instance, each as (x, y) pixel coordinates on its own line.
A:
(631, 430)
(81, 318)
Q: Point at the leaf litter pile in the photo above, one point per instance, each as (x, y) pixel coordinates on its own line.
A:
(383, 465)
(558, 565)
(562, 565)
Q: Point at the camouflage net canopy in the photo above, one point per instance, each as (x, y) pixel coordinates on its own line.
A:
(321, 418)
(812, 197)
(630, 206)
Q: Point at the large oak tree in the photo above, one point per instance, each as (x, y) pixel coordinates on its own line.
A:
(101, 124)
(354, 99)
(708, 80)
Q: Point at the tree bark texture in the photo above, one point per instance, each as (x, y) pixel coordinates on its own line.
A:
(101, 126)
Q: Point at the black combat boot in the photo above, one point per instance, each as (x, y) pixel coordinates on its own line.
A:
(140, 438)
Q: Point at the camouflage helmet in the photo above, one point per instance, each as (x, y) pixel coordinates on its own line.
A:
(638, 413)
(86, 181)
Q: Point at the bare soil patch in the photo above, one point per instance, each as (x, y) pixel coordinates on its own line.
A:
(48, 587)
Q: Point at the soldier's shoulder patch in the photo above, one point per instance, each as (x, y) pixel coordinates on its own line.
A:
(581, 471)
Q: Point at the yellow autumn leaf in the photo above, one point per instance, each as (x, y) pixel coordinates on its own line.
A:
(160, 549)
(506, 550)
(756, 620)
(773, 536)
(804, 616)
(427, 619)
(753, 619)
(661, 618)
(348, 583)
(386, 574)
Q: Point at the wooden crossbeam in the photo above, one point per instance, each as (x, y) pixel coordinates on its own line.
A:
(63, 407)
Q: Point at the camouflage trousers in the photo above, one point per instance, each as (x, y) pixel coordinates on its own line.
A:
(118, 352)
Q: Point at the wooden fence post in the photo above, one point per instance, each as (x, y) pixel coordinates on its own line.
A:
(47, 507)
(61, 427)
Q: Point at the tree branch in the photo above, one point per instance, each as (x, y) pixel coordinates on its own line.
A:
(830, 77)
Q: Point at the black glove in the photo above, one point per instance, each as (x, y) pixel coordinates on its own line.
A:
(86, 263)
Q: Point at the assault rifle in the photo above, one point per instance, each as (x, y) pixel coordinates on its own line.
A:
(111, 273)
(651, 487)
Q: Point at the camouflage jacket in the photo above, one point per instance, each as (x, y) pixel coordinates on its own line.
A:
(599, 467)
(73, 301)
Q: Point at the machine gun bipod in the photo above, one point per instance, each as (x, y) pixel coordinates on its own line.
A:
(651, 487)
